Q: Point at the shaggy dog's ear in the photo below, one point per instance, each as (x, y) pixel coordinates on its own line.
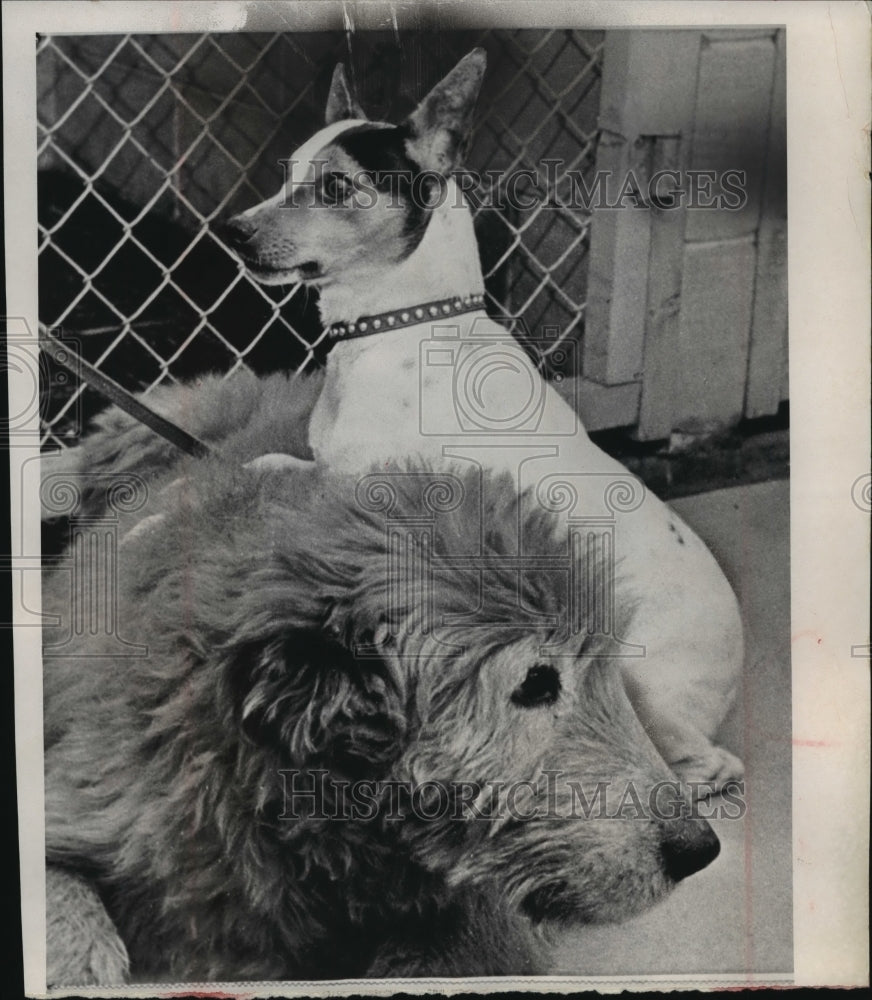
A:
(308, 698)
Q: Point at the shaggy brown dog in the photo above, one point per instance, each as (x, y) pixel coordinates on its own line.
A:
(362, 732)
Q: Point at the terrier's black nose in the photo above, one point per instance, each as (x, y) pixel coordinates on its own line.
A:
(235, 232)
(688, 848)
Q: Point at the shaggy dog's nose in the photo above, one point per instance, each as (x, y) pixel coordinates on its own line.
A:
(688, 848)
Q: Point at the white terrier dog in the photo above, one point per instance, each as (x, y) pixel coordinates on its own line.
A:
(370, 215)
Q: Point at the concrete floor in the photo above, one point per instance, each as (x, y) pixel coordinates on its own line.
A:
(736, 916)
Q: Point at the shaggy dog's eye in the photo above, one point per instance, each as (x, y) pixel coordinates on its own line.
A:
(541, 687)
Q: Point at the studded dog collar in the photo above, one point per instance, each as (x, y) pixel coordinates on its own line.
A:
(396, 319)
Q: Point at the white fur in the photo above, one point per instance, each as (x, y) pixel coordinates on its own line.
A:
(381, 401)
(444, 263)
(373, 410)
(303, 163)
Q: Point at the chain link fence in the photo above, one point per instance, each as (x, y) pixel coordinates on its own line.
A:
(144, 142)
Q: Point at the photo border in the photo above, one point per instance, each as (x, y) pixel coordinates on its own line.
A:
(828, 53)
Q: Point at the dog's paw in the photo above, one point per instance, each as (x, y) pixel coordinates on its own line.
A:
(83, 946)
(715, 767)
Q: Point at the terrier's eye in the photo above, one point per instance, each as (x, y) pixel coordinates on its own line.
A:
(335, 187)
(541, 686)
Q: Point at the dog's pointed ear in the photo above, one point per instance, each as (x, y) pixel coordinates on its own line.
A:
(340, 102)
(439, 126)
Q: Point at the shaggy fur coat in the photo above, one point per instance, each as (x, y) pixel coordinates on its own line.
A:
(297, 629)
